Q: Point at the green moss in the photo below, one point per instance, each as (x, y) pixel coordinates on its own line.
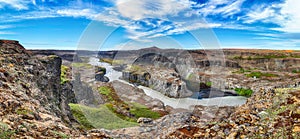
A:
(63, 75)
(22, 111)
(244, 92)
(79, 115)
(53, 56)
(105, 90)
(270, 56)
(5, 133)
(82, 65)
(142, 111)
(296, 71)
(121, 109)
(100, 69)
(209, 84)
(61, 135)
(111, 61)
(259, 74)
(100, 117)
(135, 68)
(242, 70)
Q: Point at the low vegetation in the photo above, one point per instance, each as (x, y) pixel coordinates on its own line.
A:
(270, 56)
(104, 90)
(209, 84)
(23, 111)
(241, 70)
(63, 75)
(61, 135)
(142, 111)
(243, 92)
(5, 132)
(100, 117)
(125, 110)
(296, 71)
(283, 106)
(111, 61)
(135, 68)
(260, 74)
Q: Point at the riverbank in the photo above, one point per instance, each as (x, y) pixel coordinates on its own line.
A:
(185, 103)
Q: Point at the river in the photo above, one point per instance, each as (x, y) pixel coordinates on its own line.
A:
(186, 103)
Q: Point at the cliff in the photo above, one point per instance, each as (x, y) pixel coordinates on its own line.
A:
(166, 81)
(33, 103)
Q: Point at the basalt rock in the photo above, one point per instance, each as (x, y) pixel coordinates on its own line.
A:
(33, 102)
(99, 74)
(168, 82)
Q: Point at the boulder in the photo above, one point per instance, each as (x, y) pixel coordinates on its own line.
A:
(143, 120)
(99, 74)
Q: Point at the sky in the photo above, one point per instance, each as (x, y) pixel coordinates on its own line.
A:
(135, 24)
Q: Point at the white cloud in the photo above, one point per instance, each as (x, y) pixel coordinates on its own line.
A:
(140, 9)
(18, 4)
(6, 26)
(291, 8)
(32, 15)
(33, 2)
(284, 14)
(231, 7)
(6, 33)
(78, 13)
(127, 46)
(3, 29)
(265, 14)
(192, 26)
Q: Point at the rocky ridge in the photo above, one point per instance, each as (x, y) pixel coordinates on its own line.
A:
(267, 114)
(33, 102)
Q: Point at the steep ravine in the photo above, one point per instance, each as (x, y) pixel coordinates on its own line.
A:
(186, 103)
(33, 103)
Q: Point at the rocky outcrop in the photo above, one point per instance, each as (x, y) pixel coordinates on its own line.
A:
(32, 100)
(166, 81)
(84, 93)
(267, 114)
(227, 63)
(99, 74)
(137, 78)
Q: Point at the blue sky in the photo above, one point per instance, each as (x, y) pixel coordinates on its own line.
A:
(134, 24)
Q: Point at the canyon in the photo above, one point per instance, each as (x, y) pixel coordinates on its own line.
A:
(142, 93)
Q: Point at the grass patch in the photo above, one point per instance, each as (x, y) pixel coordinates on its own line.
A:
(63, 75)
(82, 65)
(125, 110)
(134, 68)
(142, 111)
(5, 133)
(296, 71)
(104, 90)
(243, 92)
(209, 84)
(61, 135)
(23, 111)
(260, 74)
(111, 61)
(100, 117)
(271, 56)
(79, 115)
(242, 70)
